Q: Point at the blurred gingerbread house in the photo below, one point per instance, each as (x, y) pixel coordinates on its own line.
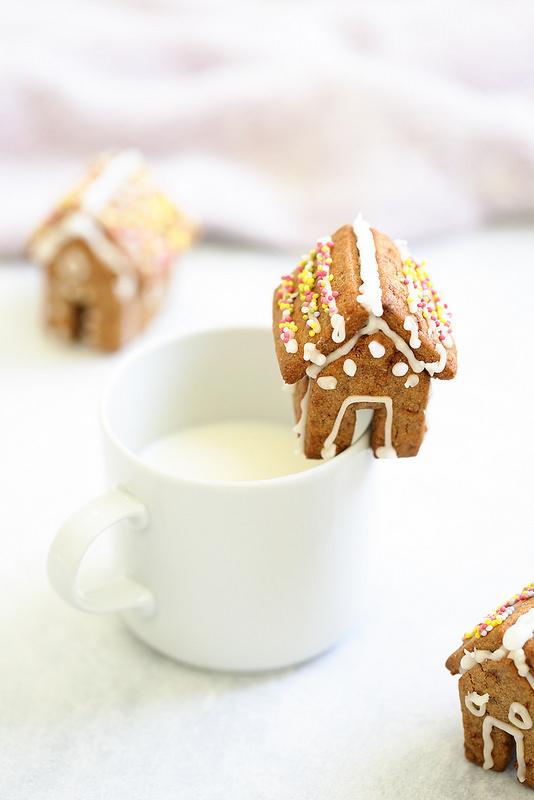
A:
(108, 251)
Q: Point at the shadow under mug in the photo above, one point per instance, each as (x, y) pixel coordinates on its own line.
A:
(244, 575)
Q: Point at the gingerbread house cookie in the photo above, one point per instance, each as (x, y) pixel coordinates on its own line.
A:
(496, 664)
(357, 326)
(107, 251)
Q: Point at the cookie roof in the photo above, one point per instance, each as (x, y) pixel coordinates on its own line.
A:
(490, 635)
(357, 275)
(117, 199)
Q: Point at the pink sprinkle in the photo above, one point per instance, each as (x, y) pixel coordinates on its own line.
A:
(336, 294)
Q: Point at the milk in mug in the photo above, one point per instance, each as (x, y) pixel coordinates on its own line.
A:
(232, 450)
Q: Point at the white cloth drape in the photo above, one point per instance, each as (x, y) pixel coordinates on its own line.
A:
(275, 122)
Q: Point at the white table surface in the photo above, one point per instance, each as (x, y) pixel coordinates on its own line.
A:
(87, 711)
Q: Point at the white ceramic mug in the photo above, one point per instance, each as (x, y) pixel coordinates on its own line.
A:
(229, 575)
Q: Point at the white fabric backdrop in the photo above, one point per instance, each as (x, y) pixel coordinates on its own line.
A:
(275, 122)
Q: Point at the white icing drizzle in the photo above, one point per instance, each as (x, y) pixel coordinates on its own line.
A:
(373, 325)
(291, 345)
(74, 265)
(84, 227)
(387, 451)
(125, 287)
(410, 324)
(81, 223)
(117, 170)
(327, 382)
(312, 354)
(339, 352)
(476, 703)
(399, 369)
(487, 726)
(513, 641)
(370, 292)
(469, 659)
(376, 349)
(518, 715)
(411, 381)
(520, 632)
(349, 367)
(338, 327)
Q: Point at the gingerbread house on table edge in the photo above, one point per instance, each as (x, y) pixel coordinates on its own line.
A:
(358, 325)
(107, 251)
(496, 664)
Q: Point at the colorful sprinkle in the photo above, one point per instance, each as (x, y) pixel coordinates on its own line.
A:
(501, 613)
(314, 288)
(422, 295)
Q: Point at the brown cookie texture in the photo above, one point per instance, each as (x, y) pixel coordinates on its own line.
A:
(91, 310)
(386, 356)
(369, 381)
(501, 682)
(496, 699)
(394, 301)
(493, 640)
(346, 269)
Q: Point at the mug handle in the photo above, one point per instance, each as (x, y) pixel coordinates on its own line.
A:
(74, 538)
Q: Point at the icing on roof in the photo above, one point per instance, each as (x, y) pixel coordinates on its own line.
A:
(498, 615)
(311, 291)
(370, 291)
(423, 296)
(118, 193)
(314, 287)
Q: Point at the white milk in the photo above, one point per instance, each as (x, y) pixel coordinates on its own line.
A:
(235, 450)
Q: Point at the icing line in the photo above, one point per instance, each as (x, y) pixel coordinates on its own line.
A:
(370, 291)
(117, 171)
(487, 726)
(80, 226)
(329, 448)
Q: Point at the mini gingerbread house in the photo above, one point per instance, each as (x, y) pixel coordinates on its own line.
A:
(496, 664)
(107, 251)
(357, 326)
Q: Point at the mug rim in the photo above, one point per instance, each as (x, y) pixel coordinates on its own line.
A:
(158, 343)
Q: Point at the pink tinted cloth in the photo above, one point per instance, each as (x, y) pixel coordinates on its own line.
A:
(275, 122)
